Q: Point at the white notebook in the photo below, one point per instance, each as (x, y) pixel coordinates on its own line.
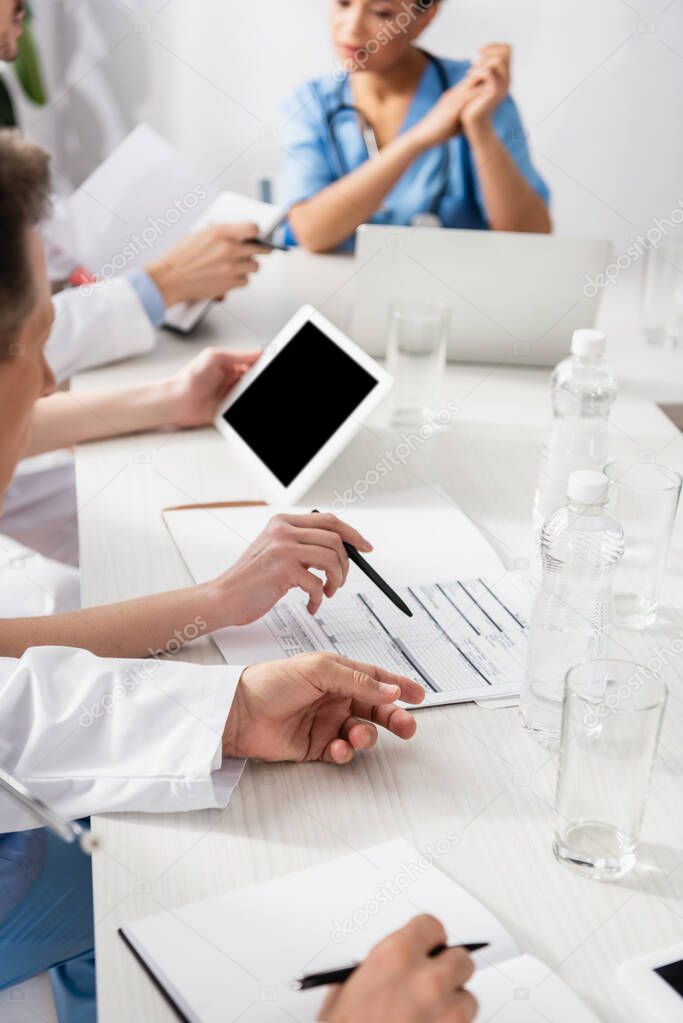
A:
(235, 956)
(468, 635)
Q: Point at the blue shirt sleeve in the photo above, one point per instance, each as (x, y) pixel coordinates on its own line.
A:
(149, 295)
(509, 128)
(307, 167)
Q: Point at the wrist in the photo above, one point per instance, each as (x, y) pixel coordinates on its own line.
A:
(481, 134)
(168, 281)
(143, 408)
(216, 602)
(160, 401)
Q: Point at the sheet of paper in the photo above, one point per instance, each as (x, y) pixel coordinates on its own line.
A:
(466, 639)
(525, 990)
(139, 201)
(234, 208)
(243, 949)
(419, 535)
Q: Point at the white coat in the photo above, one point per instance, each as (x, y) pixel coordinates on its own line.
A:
(96, 324)
(95, 735)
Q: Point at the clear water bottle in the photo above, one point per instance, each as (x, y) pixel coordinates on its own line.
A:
(583, 392)
(581, 545)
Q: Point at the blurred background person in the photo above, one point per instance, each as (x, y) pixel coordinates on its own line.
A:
(395, 135)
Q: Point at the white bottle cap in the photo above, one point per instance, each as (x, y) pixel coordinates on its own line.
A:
(587, 486)
(589, 344)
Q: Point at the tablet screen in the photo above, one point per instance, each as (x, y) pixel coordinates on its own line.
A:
(672, 973)
(298, 402)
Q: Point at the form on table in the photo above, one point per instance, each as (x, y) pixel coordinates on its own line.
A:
(466, 639)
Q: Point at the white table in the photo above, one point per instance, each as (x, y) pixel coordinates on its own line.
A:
(469, 771)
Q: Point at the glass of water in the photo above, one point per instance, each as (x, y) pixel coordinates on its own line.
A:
(611, 721)
(416, 358)
(645, 500)
(662, 300)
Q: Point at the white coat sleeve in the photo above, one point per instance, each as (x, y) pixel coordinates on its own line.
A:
(96, 324)
(94, 735)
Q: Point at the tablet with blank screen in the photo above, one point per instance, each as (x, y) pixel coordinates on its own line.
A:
(657, 980)
(297, 408)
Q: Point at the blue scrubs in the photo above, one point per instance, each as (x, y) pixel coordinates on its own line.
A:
(312, 163)
(46, 920)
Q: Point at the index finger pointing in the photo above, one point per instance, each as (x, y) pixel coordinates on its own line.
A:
(411, 692)
(353, 683)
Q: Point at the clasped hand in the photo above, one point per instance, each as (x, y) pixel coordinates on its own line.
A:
(473, 101)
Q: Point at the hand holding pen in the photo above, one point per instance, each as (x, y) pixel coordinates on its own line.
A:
(374, 576)
(406, 978)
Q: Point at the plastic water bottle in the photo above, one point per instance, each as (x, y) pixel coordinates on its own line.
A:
(581, 545)
(583, 392)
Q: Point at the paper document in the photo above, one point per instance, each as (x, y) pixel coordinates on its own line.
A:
(467, 637)
(144, 197)
(236, 955)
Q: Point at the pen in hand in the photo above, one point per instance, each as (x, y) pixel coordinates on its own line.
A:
(342, 974)
(374, 576)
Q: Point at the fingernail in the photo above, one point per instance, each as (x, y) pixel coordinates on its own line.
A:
(389, 690)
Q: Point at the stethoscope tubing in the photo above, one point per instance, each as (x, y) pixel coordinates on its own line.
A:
(370, 137)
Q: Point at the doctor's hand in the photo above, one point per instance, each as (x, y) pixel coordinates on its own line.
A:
(400, 982)
(489, 82)
(280, 559)
(316, 707)
(207, 264)
(194, 394)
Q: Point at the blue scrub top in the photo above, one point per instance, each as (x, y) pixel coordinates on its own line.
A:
(311, 162)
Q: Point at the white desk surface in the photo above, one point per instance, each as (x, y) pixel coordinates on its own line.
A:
(469, 771)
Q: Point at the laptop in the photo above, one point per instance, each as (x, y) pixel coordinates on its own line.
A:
(515, 298)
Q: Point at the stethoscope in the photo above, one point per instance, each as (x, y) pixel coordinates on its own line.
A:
(431, 218)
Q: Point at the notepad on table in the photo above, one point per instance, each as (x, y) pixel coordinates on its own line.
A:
(468, 634)
(236, 955)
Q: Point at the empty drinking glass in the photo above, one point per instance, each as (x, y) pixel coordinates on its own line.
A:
(644, 499)
(662, 301)
(611, 722)
(416, 358)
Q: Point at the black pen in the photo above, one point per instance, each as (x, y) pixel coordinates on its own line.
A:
(374, 576)
(269, 246)
(339, 976)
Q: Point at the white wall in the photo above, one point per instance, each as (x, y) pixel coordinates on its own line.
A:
(600, 85)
